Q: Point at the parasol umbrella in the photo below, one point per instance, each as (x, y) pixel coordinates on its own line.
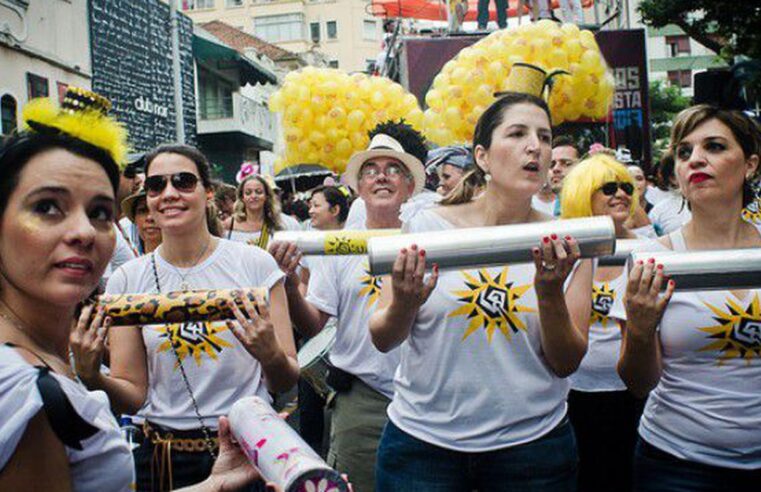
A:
(303, 176)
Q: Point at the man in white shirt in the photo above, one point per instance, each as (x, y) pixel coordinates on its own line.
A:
(386, 175)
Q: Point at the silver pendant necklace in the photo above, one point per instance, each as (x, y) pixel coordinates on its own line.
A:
(184, 285)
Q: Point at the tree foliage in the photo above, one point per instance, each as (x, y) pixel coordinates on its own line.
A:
(665, 102)
(727, 27)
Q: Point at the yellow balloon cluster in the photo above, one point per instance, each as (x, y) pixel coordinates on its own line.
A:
(466, 85)
(327, 114)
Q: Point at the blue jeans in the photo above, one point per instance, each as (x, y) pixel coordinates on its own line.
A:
(658, 471)
(407, 464)
(483, 13)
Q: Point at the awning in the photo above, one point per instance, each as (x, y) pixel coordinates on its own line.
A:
(210, 49)
(686, 63)
(437, 9)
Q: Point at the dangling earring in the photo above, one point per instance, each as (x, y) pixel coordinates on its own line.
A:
(487, 177)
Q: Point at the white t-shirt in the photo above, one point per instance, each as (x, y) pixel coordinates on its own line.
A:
(358, 211)
(547, 208)
(655, 195)
(706, 407)
(219, 369)
(597, 371)
(122, 254)
(670, 214)
(250, 238)
(342, 286)
(472, 376)
(105, 460)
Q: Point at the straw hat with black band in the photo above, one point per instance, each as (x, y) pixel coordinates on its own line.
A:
(130, 203)
(383, 145)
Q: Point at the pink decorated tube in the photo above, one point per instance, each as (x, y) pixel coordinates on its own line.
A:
(278, 451)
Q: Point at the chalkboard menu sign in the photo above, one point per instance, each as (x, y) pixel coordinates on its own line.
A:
(131, 49)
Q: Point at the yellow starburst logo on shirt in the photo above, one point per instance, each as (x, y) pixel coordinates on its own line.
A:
(491, 303)
(752, 213)
(372, 286)
(738, 334)
(193, 339)
(602, 301)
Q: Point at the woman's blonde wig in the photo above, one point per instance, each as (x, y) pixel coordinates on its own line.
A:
(587, 177)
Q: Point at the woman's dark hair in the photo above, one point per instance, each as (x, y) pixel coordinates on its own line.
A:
(192, 153)
(475, 180)
(665, 171)
(19, 148)
(335, 198)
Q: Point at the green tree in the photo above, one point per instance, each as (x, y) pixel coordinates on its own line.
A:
(665, 102)
(727, 27)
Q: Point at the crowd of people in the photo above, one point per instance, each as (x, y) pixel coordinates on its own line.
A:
(553, 375)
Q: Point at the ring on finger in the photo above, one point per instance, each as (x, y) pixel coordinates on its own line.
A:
(548, 266)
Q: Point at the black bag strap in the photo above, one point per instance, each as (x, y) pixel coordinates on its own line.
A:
(68, 426)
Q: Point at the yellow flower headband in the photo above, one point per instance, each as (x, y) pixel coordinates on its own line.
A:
(83, 115)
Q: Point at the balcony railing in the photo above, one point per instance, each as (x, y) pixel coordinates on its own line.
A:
(236, 113)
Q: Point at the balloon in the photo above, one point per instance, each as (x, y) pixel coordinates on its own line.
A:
(465, 86)
(327, 114)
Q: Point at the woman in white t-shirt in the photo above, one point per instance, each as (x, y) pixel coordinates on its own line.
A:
(698, 354)
(603, 413)
(480, 393)
(181, 378)
(256, 216)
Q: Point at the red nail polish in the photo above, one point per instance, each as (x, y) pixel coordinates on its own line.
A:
(660, 267)
(546, 239)
(422, 252)
(568, 238)
(436, 267)
(651, 260)
(672, 283)
(639, 262)
(403, 250)
(554, 236)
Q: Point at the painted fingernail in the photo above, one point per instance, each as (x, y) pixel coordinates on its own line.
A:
(554, 236)
(568, 238)
(639, 262)
(546, 239)
(672, 283)
(535, 251)
(651, 260)
(414, 246)
(660, 266)
(436, 267)
(422, 252)
(403, 251)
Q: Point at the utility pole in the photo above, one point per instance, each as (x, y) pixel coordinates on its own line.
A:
(174, 18)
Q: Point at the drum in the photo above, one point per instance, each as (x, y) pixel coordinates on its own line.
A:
(313, 359)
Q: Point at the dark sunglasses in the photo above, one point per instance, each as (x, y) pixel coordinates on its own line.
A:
(610, 188)
(184, 182)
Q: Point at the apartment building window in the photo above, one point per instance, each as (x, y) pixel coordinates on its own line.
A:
(369, 30)
(197, 4)
(233, 3)
(36, 86)
(277, 28)
(680, 78)
(8, 109)
(332, 28)
(333, 63)
(314, 32)
(678, 45)
(215, 96)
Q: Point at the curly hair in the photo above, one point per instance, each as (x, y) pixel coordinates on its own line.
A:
(413, 141)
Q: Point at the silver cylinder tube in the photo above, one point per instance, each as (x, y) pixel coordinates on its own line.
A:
(484, 246)
(718, 269)
(343, 242)
(624, 248)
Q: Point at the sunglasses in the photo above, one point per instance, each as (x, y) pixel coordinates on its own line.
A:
(610, 188)
(184, 182)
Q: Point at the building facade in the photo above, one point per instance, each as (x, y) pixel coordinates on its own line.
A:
(44, 48)
(337, 33)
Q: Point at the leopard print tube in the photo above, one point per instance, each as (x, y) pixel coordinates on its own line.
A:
(177, 307)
